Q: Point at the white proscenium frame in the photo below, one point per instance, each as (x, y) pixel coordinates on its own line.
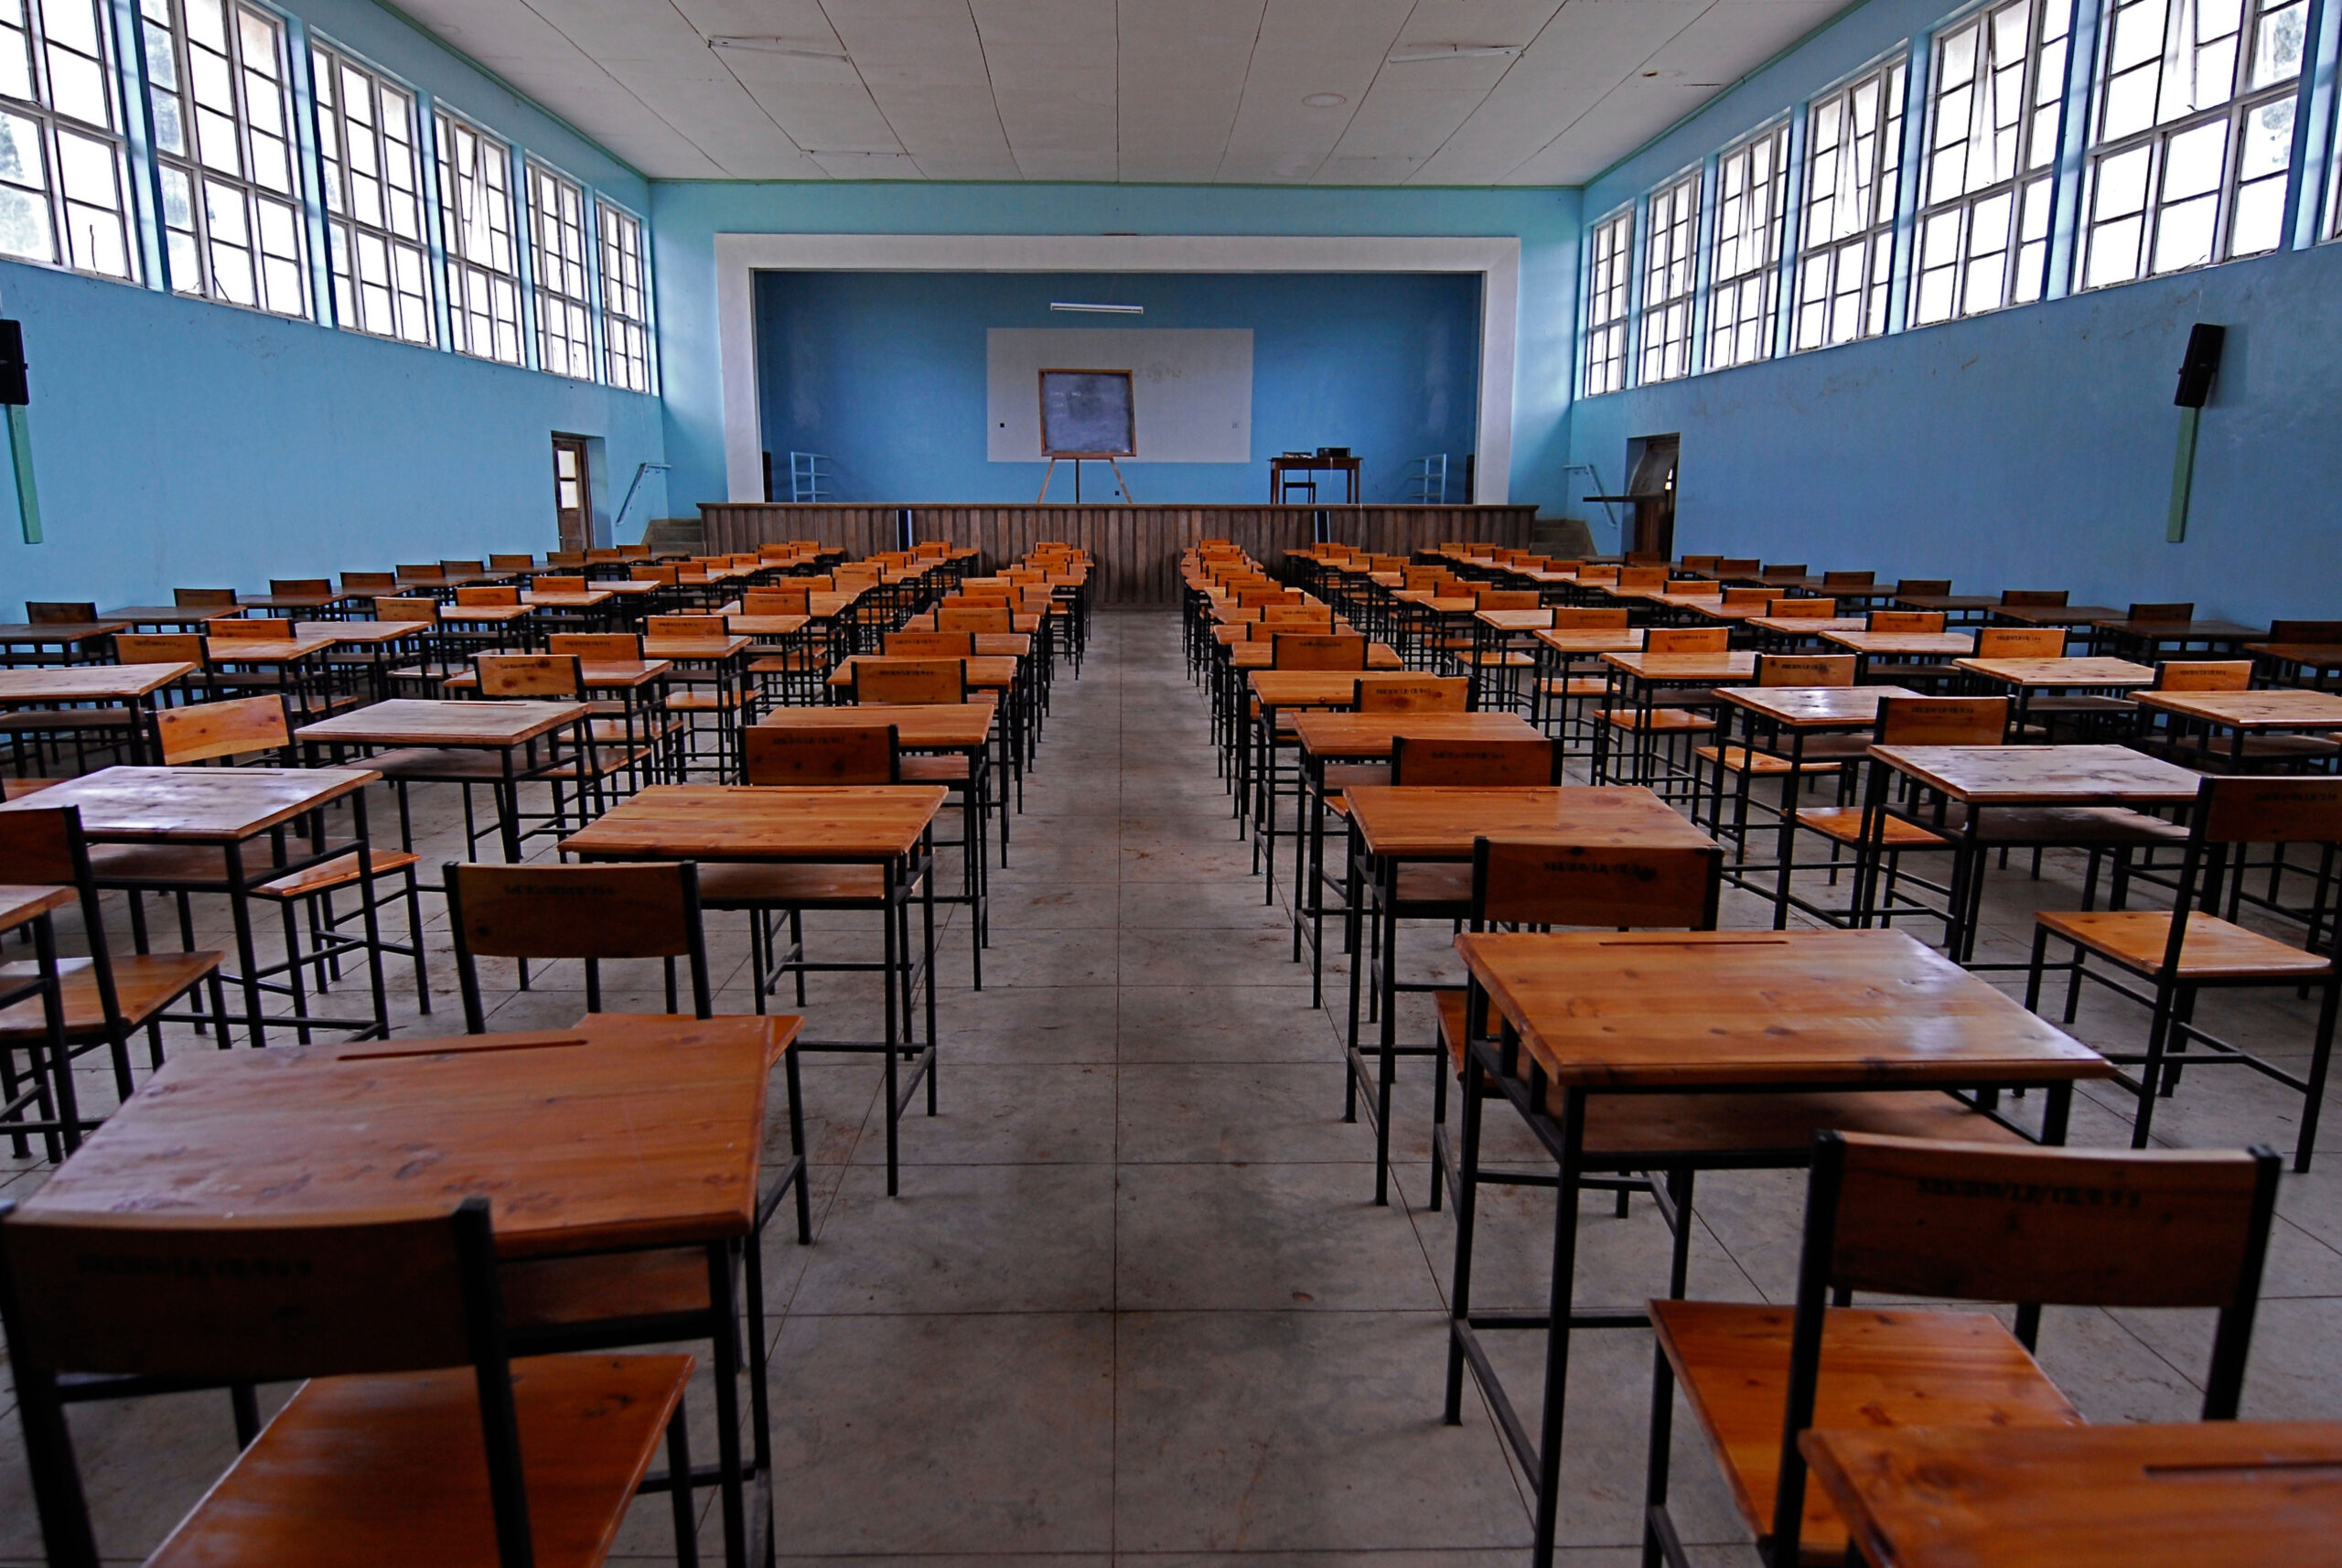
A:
(739, 257)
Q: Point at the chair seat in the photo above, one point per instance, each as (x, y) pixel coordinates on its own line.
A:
(2213, 949)
(1761, 764)
(431, 764)
(338, 872)
(607, 759)
(1844, 824)
(1662, 721)
(731, 884)
(390, 1471)
(705, 702)
(144, 984)
(1436, 882)
(1881, 1369)
(951, 769)
(1574, 686)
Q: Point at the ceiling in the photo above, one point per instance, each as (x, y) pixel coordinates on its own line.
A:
(1243, 91)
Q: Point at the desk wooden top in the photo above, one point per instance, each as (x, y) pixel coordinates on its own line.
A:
(1366, 737)
(697, 648)
(1019, 623)
(1685, 668)
(1516, 620)
(769, 1034)
(633, 1138)
(569, 599)
(2182, 631)
(990, 673)
(86, 682)
(743, 822)
(2286, 709)
(264, 650)
(1419, 823)
(2118, 1496)
(195, 805)
(2318, 655)
(1304, 688)
(420, 721)
(1813, 707)
(1594, 640)
(1256, 656)
(1920, 644)
(2043, 775)
(1436, 604)
(1947, 602)
(484, 615)
(600, 674)
(1715, 1009)
(2057, 614)
(298, 601)
(174, 615)
(2050, 674)
(918, 726)
(357, 633)
(766, 626)
(1806, 626)
(20, 905)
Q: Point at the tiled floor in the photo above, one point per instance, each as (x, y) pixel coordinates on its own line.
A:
(1134, 1304)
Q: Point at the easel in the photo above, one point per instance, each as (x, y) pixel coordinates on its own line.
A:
(1077, 461)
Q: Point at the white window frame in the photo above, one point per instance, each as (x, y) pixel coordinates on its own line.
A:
(2154, 202)
(559, 267)
(1609, 300)
(1981, 242)
(370, 175)
(622, 254)
(1846, 232)
(234, 217)
(1671, 279)
(64, 177)
(479, 240)
(1744, 261)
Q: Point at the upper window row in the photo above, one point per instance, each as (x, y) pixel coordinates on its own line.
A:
(2184, 163)
(229, 189)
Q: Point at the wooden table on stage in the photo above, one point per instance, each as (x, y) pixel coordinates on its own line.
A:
(1346, 466)
(133, 685)
(2119, 1496)
(501, 730)
(1778, 1033)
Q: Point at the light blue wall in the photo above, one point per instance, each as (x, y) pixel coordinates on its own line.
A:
(2028, 448)
(885, 372)
(687, 216)
(180, 443)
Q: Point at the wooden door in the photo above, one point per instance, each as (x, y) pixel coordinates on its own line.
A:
(573, 492)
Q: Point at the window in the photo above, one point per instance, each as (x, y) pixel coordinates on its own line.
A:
(626, 312)
(373, 200)
(557, 254)
(2195, 135)
(1743, 288)
(1670, 243)
(476, 214)
(232, 215)
(62, 178)
(1983, 226)
(1852, 167)
(1609, 257)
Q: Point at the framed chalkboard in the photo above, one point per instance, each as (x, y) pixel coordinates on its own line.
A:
(1087, 413)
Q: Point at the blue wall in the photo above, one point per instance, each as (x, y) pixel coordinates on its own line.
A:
(180, 443)
(687, 216)
(885, 372)
(2028, 448)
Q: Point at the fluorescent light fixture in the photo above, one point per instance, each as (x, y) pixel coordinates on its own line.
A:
(1097, 309)
(1457, 52)
(789, 47)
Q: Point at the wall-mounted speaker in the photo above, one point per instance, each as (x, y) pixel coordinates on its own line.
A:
(14, 389)
(2202, 364)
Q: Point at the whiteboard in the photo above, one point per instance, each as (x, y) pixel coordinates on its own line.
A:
(1087, 413)
(1191, 388)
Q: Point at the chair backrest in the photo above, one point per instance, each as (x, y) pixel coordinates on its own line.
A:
(1806, 608)
(2021, 642)
(2248, 808)
(2174, 610)
(558, 584)
(303, 587)
(2195, 675)
(1701, 563)
(506, 676)
(1583, 885)
(1586, 617)
(1693, 588)
(1411, 693)
(159, 647)
(513, 563)
(974, 618)
(1598, 572)
(202, 731)
(60, 612)
(421, 572)
(2318, 631)
(665, 574)
(1318, 650)
(1783, 569)
(899, 680)
(930, 644)
(1310, 614)
(782, 753)
(588, 912)
(1477, 764)
(44, 846)
(2037, 599)
(425, 610)
(1687, 639)
(1849, 579)
(369, 581)
(488, 596)
(1921, 621)
(685, 629)
(600, 646)
(202, 598)
(1641, 579)
(1507, 598)
(1805, 670)
(1747, 596)
(776, 601)
(1941, 720)
(247, 628)
(1925, 587)
(458, 568)
(1739, 565)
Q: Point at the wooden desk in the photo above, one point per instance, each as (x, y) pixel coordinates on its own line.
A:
(2253, 722)
(1346, 466)
(1959, 609)
(297, 602)
(1791, 631)
(50, 1092)
(133, 685)
(295, 667)
(1780, 1033)
(947, 728)
(376, 639)
(172, 616)
(1636, 681)
(73, 640)
(2146, 638)
(2029, 677)
(1899, 648)
(2120, 1496)
(2296, 664)
(2054, 615)
(431, 737)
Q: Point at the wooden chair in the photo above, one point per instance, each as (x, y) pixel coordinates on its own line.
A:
(584, 912)
(1848, 580)
(1966, 1222)
(1687, 639)
(2021, 642)
(404, 1444)
(62, 612)
(1687, 715)
(1416, 761)
(595, 753)
(994, 619)
(1569, 682)
(1802, 608)
(885, 681)
(1909, 622)
(2178, 957)
(1318, 650)
(2035, 598)
(1410, 693)
(1737, 597)
(1740, 567)
(1821, 756)
(511, 563)
(202, 598)
(2173, 610)
(1923, 588)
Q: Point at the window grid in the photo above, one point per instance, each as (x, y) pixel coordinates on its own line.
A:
(373, 201)
(2194, 136)
(1982, 233)
(1743, 287)
(626, 309)
(476, 220)
(1671, 254)
(1609, 267)
(64, 183)
(1846, 246)
(557, 257)
(232, 191)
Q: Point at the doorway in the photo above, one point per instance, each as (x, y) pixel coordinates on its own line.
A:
(1651, 484)
(573, 491)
